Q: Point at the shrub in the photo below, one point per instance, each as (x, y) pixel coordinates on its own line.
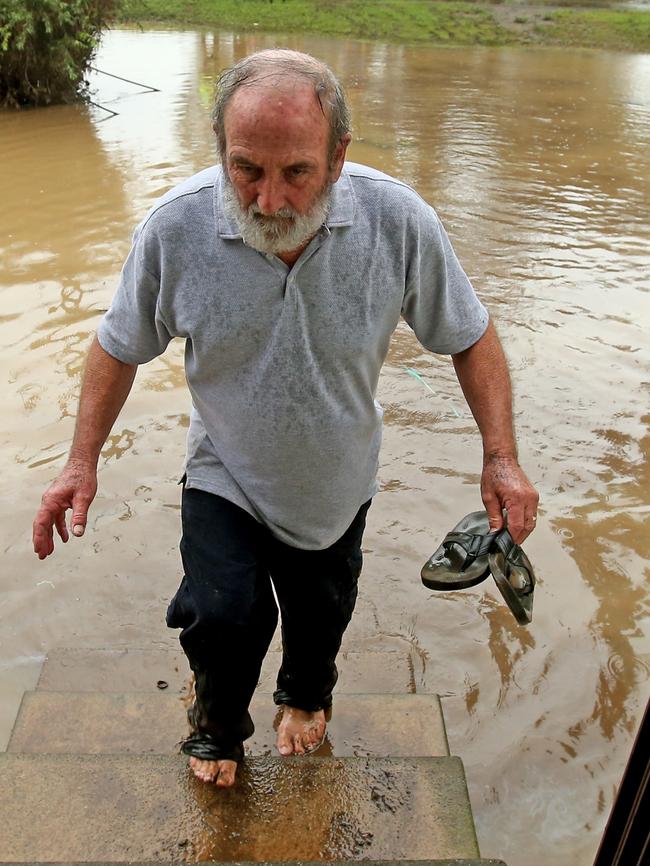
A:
(46, 46)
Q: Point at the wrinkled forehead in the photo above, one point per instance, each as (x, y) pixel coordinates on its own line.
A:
(289, 107)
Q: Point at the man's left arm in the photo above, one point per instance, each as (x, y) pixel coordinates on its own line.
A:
(483, 375)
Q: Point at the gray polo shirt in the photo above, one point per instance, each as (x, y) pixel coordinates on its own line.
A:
(282, 363)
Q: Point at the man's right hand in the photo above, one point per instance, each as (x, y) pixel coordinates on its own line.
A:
(74, 488)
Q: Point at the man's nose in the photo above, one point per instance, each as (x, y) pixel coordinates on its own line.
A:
(271, 195)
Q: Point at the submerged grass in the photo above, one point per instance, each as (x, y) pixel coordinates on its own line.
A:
(447, 23)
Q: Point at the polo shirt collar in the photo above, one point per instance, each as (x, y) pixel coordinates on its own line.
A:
(341, 211)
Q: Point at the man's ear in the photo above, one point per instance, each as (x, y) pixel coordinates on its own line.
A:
(338, 157)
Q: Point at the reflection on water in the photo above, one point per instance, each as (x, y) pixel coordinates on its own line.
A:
(538, 162)
(607, 537)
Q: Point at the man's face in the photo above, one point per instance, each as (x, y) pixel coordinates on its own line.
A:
(276, 160)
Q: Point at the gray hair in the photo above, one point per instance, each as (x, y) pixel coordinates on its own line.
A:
(274, 65)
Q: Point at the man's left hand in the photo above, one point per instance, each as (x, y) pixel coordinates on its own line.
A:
(505, 488)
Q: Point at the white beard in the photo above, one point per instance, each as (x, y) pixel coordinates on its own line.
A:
(282, 232)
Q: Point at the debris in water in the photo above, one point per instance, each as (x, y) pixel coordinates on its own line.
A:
(417, 376)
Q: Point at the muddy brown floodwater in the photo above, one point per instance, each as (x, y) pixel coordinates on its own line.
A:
(539, 163)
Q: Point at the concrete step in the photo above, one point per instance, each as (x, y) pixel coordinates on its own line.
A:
(293, 863)
(114, 723)
(135, 809)
(100, 670)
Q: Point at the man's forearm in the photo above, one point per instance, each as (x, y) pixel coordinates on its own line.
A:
(106, 385)
(483, 375)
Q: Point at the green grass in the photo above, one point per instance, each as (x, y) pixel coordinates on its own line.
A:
(447, 23)
(599, 28)
(455, 23)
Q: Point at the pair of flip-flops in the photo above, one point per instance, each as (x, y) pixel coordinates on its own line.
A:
(470, 553)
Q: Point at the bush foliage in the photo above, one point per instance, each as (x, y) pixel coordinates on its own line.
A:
(46, 46)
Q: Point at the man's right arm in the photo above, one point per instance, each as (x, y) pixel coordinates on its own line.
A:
(106, 385)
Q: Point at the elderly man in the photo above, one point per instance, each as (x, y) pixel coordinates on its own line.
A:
(286, 270)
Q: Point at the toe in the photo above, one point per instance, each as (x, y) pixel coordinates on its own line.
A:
(226, 774)
(285, 744)
(206, 771)
(298, 744)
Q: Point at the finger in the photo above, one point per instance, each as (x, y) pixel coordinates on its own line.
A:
(530, 522)
(43, 547)
(42, 535)
(521, 536)
(494, 513)
(61, 528)
(516, 520)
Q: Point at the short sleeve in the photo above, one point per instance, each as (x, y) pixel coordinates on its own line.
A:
(133, 330)
(440, 304)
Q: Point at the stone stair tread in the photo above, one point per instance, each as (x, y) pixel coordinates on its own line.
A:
(135, 808)
(140, 669)
(454, 862)
(117, 723)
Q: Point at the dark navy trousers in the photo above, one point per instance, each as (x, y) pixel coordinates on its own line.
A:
(227, 612)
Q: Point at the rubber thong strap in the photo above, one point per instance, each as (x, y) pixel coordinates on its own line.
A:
(513, 555)
(505, 543)
(473, 545)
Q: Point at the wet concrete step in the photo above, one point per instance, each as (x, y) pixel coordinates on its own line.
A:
(101, 670)
(108, 808)
(113, 723)
(293, 863)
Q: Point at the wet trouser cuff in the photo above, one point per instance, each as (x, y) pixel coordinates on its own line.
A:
(309, 706)
(206, 748)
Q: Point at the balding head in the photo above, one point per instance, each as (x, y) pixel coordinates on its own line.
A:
(282, 68)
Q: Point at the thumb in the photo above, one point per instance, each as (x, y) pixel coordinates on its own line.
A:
(495, 516)
(80, 505)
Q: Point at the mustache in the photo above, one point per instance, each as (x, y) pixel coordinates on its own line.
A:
(284, 213)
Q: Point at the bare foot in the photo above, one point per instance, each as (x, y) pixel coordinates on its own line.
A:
(222, 773)
(300, 731)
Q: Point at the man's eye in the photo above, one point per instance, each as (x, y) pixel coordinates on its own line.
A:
(248, 170)
(297, 171)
